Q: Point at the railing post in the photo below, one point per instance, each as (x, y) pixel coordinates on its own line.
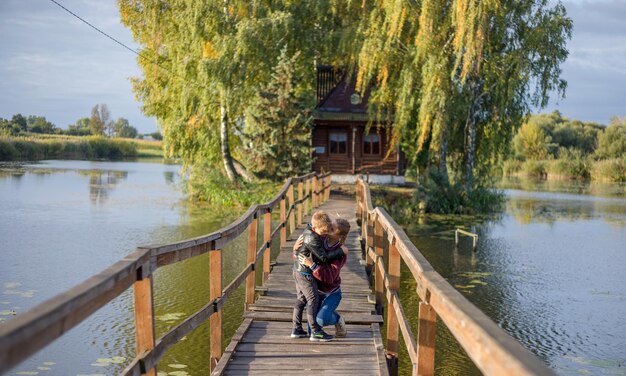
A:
(392, 319)
(144, 316)
(307, 189)
(313, 193)
(426, 335)
(292, 216)
(215, 321)
(283, 223)
(379, 281)
(267, 232)
(300, 194)
(252, 248)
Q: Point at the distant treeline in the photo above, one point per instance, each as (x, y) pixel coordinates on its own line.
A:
(553, 146)
(99, 124)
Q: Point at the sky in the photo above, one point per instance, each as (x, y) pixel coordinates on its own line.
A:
(53, 65)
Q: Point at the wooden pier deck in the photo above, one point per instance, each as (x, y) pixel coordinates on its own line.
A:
(262, 345)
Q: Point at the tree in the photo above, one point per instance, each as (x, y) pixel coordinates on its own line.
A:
(123, 129)
(80, 128)
(100, 121)
(612, 142)
(39, 124)
(456, 76)
(278, 125)
(213, 58)
(531, 142)
(156, 135)
(20, 121)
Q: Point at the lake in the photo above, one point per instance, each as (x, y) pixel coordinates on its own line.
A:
(549, 269)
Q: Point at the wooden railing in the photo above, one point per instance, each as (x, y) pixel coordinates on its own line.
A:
(491, 349)
(31, 331)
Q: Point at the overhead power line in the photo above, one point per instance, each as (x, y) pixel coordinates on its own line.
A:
(151, 61)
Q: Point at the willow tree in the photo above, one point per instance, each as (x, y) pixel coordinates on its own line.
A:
(459, 76)
(204, 61)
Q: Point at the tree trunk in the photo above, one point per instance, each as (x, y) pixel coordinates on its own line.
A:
(226, 157)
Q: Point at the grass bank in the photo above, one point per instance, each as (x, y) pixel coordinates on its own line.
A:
(34, 148)
(574, 168)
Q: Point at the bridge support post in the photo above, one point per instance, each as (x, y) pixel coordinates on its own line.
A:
(426, 334)
(327, 191)
(144, 316)
(215, 321)
(392, 319)
(252, 248)
(267, 232)
(283, 223)
(314, 193)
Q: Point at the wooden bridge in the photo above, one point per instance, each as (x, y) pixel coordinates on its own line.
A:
(261, 345)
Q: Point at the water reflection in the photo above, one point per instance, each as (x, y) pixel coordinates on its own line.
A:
(102, 183)
(549, 271)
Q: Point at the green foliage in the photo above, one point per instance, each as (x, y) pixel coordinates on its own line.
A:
(39, 124)
(572, 163)
(278, 126)
(535, 168)
(32, 148)
(81, 128)
(511, 166)
(100, 120)
(609, 170)
(531, 142)
(156, 135)
(209, 184)
(612, 142)
(439, 196)
(121, 128)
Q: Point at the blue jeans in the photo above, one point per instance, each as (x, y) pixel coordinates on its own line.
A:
(327, 313)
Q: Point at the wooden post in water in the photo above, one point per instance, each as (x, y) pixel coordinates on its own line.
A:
(267, 232)
(426, 335)
(300, 195)
(215, 321)
(252, 248)
(283, 223)
(379, 281)
(292, 216)
(392, 320)
(144, 314)
(307, 189)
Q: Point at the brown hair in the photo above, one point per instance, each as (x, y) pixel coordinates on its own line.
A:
(321, 222)
(343, 228)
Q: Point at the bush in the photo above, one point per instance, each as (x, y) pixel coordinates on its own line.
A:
(41, 147)
(535, 168)
(511, 166)
(8, 152)
(609, 170)
(571, 164)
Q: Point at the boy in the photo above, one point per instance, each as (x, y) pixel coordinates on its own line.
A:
(329, 281)
(306, 285)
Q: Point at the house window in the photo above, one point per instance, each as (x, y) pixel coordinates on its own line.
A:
(338, 143)
(371, 143)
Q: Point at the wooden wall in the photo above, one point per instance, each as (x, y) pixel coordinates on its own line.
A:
(342, 163)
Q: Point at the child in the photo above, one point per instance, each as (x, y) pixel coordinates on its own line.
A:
(329, 281)
(306, 285)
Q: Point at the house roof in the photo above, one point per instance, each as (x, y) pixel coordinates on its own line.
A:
(343, 102)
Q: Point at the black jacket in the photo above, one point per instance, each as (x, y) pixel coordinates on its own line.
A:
(313, 247)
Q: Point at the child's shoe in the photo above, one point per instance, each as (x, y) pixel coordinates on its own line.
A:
(321, 336)
(299, 333)
(340, 328)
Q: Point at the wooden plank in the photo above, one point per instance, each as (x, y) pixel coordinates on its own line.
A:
(352, 318)
(300, 207)
(267, 238)
(283, 221)
(291, 214)
(251, 279)
(392, 319)
(379, 274)
(239, 333)
(215, 321)
(380, 350)
(144, 319)
(426, 336)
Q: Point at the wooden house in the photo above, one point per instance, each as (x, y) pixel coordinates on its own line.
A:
(339, 139)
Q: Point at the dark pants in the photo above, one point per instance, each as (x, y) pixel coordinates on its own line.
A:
(307, 295)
